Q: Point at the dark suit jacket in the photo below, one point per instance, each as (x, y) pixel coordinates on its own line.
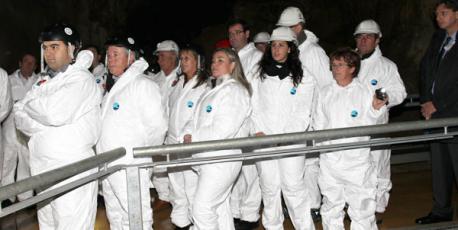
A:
(445, 76)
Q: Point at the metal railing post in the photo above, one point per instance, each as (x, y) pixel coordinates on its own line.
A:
(134, 198)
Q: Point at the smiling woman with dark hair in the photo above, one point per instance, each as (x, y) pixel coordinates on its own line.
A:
(282, 103)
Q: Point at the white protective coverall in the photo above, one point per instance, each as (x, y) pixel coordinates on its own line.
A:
(249, 58)
(182, 102)
(220, 114)
(166, 84)
(347, 176)
(16, 152)
(246, 194)
(62, 117)
(280, 107)
(132, 116)
(315, 60)
(376, 72)
(100, 75)
(6, 103)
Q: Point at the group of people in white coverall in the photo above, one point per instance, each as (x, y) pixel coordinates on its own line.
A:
(290, 86)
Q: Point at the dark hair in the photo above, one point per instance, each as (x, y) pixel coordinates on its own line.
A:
(202, 73)
(89, 46)
(292, 62)
(236, 21)
(349, 56)
(450, 4)
(26, 54)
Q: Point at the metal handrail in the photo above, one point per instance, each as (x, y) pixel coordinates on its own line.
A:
(278, 153)
(59, 174)
(59, 190)
(291, 138)
(412, 100)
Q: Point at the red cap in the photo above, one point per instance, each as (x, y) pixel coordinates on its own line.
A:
(223, 43)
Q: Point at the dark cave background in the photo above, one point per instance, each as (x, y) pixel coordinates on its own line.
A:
(407, 25)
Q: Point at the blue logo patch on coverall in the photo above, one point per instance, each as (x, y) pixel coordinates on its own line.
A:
(115, 106)
(209, 108)
(293, 91)
(97, 81)
(190, 104)
(354, 113)
(374, 82)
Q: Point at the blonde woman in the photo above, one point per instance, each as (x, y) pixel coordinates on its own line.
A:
(220, 114)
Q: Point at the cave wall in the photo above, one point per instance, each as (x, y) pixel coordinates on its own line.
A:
(406, 25)
(23, 20)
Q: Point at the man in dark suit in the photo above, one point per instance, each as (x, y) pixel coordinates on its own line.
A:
(439, 98)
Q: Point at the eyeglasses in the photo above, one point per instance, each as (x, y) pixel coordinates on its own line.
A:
(365, 36)
(236, 33)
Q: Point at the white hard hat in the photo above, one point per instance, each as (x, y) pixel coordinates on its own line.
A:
(261, 37)
(290, 16)
(368, 27)
(283, 34)
(167, 45)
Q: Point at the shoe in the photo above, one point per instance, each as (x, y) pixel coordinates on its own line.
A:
(246, 225)
(31, 208)
(236, 222)
(431, 218)
(183, 228)
(160, 204)
(378, 218)
(6, 203)
(316, 216)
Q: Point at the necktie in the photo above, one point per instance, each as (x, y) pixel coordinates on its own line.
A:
(439, 58)
(442, 51)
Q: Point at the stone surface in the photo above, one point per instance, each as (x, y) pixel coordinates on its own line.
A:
(407, 25)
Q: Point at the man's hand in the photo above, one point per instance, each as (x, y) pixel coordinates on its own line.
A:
(427, 109)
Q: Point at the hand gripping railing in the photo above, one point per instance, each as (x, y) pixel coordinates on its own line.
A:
(57, 175)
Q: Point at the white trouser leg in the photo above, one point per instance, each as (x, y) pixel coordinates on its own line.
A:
(236, 196)
(2, 154)
(10, 157)
(332, 213)
(294, 191)
(190, 183)
(269, 178)
(45, 218)
(23, 170)
(251, 200)
(210, 208)
(312, 169)
(73, 210)
(178, 199)
(382, 163)
(115, 196)
(161, 183)
(361, 200)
